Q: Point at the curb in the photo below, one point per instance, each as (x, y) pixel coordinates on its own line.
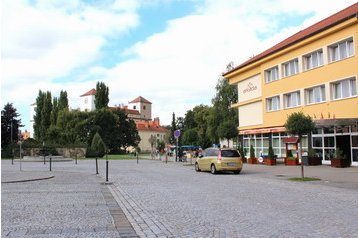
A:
(28, 180)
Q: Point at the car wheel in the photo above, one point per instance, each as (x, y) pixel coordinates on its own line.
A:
(213, 169)
(237, 171)
(197, 167)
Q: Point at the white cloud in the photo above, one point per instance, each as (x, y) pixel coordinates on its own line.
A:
(47, 40)
(175, 69)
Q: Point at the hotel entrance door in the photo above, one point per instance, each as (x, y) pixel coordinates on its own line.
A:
(344, 143)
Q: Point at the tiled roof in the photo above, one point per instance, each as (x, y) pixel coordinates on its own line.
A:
(90, 92)
(320, 26)
(150, 126)
(140, 99)
(126, 110)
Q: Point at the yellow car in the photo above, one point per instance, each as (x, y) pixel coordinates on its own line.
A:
(215, 159)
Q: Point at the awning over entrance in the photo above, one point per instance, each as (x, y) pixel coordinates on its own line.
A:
(336, 122)
(263, 130)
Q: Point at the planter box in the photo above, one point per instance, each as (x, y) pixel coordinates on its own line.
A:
(340, 163)
(270, 161)
(311, 160)
(244, 160)
(252, 160)
(291, 161)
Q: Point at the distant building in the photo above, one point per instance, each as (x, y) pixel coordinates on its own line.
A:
(87, 101)
(146, 129)
(143, 106)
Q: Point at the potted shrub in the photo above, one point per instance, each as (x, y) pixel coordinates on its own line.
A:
(313, 158)
(242, 153)
(340, 160)
(252, 159)
(290, 160)
(270, 160)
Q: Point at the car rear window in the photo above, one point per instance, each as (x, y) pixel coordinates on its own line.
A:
(230, 153)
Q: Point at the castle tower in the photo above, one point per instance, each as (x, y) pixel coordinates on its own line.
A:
(143, 106)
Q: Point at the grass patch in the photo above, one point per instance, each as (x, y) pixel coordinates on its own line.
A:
(119, 157)
(305, 179)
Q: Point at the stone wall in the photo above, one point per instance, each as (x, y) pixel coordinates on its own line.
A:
(65, 152)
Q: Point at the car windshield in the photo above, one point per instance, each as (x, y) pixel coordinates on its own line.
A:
(230, 153)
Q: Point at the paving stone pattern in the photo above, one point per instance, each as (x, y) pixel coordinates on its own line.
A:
(69, 205)
(169, 200)
(155, 199)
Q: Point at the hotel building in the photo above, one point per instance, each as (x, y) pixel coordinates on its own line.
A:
(314, 71)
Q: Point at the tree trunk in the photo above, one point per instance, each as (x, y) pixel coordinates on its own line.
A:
(300, 158)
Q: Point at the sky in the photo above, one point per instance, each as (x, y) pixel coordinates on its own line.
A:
(171, 52)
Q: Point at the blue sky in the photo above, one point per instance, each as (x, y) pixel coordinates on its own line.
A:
(171, 52)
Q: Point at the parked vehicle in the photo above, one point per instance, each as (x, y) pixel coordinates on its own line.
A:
(215, 160)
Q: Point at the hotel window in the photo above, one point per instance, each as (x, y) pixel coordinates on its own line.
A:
(271, 74)
(344, 89)
(273, 104)
(341, 50)
(315, 95)
(292, 99)
(290, 68)
(313, 60)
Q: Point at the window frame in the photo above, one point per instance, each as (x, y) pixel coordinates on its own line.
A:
(286, 68)
(268, 74)
(308, 59)
(269, 104)
(322, 90)
(335, 50)
(352, 88)
(287, 97)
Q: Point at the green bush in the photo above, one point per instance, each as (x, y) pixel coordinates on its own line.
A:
(6, 152)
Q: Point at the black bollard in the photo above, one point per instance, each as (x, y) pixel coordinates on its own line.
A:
(50, 163)
(96, 165)
(76, 159)
(106, 170)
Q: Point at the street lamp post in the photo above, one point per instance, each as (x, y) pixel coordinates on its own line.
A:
(43, 151)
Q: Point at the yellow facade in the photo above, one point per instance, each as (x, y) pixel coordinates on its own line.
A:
(314, 71)
(326, 74)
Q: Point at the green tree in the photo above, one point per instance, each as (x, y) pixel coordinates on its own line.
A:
(38, 133)
(173, 128)
(152, 139)
(222, 112)
(98, 146)
(63, 101)
(54, 112)
(101, 98)
(228, 130)
(46, 114)
(299, 124)
(190, 137)
(10, 125)
(107, 124)
(128, 133)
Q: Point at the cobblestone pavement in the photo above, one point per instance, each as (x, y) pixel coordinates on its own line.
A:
(59, 204)
(172, 200)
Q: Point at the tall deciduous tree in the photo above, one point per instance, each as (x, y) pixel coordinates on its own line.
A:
(9, 125)
(222, 112)
(101, 98)
(299, 124)
(38, 134)
(46, 114)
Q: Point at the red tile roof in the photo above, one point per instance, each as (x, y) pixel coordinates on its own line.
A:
(320, 26)
(140, 99)
(90, 92)
(150, 126)
(126, 110)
